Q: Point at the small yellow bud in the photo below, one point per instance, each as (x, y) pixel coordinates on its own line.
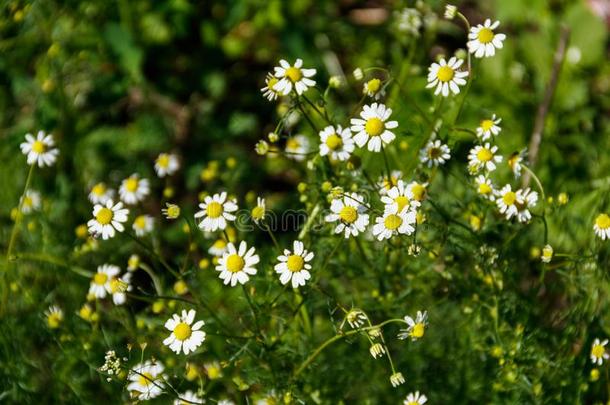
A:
(81, 231)
(563, 198)
(180, 287)
(594, 375)
(326, 186)
(302, 187)
(204, 264)
(231, 162)
(158, 307)
(168, 192)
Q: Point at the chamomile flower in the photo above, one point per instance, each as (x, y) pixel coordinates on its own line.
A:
(118, 287)
(258, 212)
(401, 196)
(268, 91)
(293, 76)
(506, 200)
(107, 219)
(166, 164)
(514, 162)
(547, 254)
(336, 142)
(394, 222)
(349, 211)
(483, 40)
(297, 147)
(374, 88)
(373, 127)
(215, 212)
(416, 327)
(598, 351)
(189, 397)
(143, 224)
(397, 379)
(377, 350)
(489, 127)
(185, 336)
(40, 150)
(355, 318)
(133, 189)
(213, 370)
(171, 211)
(445, 76)
(485, 187)
(218, 247)
(483, 157)
(146, 379)
(385, 184)
(525, 200)
(237, 265)
(450, 11)
(434, 153)
(100, 283)
(418, 190)
(294, 265)
(55, 316)
(30, 201)
(133, 263)
(602, 226)
(415, 398)
(100, 193)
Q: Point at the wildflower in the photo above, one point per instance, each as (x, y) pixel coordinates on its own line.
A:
(146, 379)
(133, 262)
(107, 219)
(419, 190)
(269, 92)
(133, 189)
(54, 316)
(408, 21)
(483, 156)
(336, 142)
(485, 187)
(416, 327)
(112, 364)
(349, 211)
(261, 147)
(118, 288)
(377, 350)
(563, 198)
(483, 40)
(216, 211)
(525, 200)
(489, 127)
(189, 397)
(258, 212)
(434, 153)
(598, 351)
(335, 82)
(394, 222)
(373, 127)
(143, 224)
(373, 88)
(86, 312)
(514, 162)
(385, 184)
(356, 318)
(415, 398)
(397, 379)
(358, 74)
(213, 369)
(100, 283)
(236, 265)
(180, 287)
(450, 11)
(293, 76)
(507, 201)
(100, 193)
(547, 254)
(218, 247)
(39, 150)
(294, 265)
(602, 226)
(297, 147)
(166, 164)
(30, 201)
(273, 137)
(401, 196)
(171, 211)
(445, 76)
(185, 335)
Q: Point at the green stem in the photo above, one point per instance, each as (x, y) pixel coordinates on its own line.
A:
(153, 276)
(387, 165)
(41, 257)
(277, 245)
(19, 215)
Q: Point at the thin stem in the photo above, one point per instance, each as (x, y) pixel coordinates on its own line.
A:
(316, 109)
(19, 214)
(153, 276)
(387, 165)
(268, 229)
(41, 257)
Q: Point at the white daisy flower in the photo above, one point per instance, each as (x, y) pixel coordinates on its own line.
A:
(506, 200)
(297, 147)
(415, 398)
(55, 316)
(336, 142)
(485, 187)
(394, 222)
(218, 247)
(100, 283)
(293, 76)
(143, 225)
(30, 201)
(189, 397)
(216, 211)
(419, 190)
(133, 189)
(384, 185)
(598, 351)
(107, 218)
(374, 88)
(185, 336)
(118, 287)
(147, 380)
(489, 127)
(483, 157)
(100, 193)
(268, 91)
(525, 200)
(434, 153)
(483, 40)
(166, 164)
(294, 265)
(409, 21)
(258, 212)
(356, 318)
(416, 327)
(373, 127)
(401, 196)
(514, 162)
(602, 226)
(171, 211)
(236, 266)
(350, 213)
(39, 150)
(397, 379)
(445, 76)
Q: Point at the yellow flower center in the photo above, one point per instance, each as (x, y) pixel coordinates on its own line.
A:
(182, 331)
(100, 278)
(484, 188)
(484, 155)
(99, 189)
(104, 216)
(220, 244)
(602, 221)
(485, 35)
(419, 192)
(509, 198)
(258, 212)
(173, 211)
(27, 201)
(272, 82)
(145, 379)
(235, 263)
(418, 330)
(402, 202)
(445, 73)
(214, 372)
(374, 126)
(53, 320)
(294, 74)
(39, 147)
(117, 286)
(373, 86)
(292, 144)
(598, 351)
(348, 214)
(295, 263)
(486, 125)
(163, 160)
(434, 152)
(214, 209)
(392, 222)
(334, 141)
(131, 184)
(412, 403)
(140, 222)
